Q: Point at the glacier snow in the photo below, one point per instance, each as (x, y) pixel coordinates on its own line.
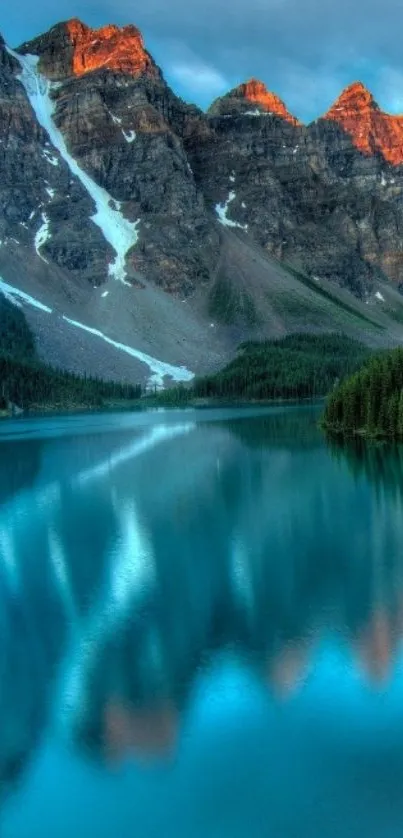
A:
(14, 295)
(159, 369)
(222, 212)
(121, 234)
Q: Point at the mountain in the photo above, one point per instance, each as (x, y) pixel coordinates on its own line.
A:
(371, 130)
(308, 195)
(251, 99)
(147, 239)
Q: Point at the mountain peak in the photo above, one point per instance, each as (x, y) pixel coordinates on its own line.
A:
(355, 98)
(371, 130)
(111, 47)
(256, 92)
(73, 48)
(252, 93)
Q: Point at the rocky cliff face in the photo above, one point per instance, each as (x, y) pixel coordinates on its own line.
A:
(324, 198)
(106, 175)
(73, 49)
(41, 205)
(122, 124)
(371, 130)
(252, 99)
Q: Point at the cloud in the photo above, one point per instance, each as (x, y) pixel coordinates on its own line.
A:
(196, 81)
(199, 77)
(388, 89)
(190, 74)
(304, 50)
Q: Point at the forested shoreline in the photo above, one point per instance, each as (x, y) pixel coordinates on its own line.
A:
(28, 383)
(298, 367)
(370, 402)
(295, 368)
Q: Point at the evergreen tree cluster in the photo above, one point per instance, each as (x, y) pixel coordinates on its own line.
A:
(26, 381)
(16, 338)
(300, 366)
(371, 400)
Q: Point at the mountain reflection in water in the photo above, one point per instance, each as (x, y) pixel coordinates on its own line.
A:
(134, 561)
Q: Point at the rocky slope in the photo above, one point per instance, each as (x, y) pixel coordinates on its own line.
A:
(371, 130)
(251, 99)
(309, 195)
(122, 125)
(133, 219)
(41, 205)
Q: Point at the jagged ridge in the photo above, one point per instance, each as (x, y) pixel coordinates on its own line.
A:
(252, 93)
(73, 49)
(301, 194)
(371, 129)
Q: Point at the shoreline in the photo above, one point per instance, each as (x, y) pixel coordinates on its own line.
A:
(150, 403)
(361, 433)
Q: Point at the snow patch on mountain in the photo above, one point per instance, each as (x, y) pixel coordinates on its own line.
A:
(129, 136)
(222, 212)
(115, 119)
(42, 236)
(14, 295)
(50, 157)
(121, 234)
(159, 369)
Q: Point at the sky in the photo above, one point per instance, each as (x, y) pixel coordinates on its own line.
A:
(306, 51)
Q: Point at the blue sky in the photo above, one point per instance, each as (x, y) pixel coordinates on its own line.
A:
(306, 51)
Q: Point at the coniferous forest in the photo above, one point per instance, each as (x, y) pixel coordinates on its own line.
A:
(300, 366)
(26, 381)
(370, 401)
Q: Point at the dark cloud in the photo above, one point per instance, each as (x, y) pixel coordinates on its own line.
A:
(305, 50)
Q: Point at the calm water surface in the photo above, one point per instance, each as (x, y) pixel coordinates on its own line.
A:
(201, 619)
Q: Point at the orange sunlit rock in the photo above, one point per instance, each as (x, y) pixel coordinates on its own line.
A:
(257, 93)
(370, 129)
(111, 47)
(144, 733)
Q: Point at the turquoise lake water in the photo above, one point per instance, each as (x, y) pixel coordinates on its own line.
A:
(201, 617)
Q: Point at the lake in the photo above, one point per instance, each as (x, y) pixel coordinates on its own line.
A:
(201, 616)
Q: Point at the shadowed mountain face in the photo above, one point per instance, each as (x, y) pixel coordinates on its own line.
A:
(109, 181)
(123, 125)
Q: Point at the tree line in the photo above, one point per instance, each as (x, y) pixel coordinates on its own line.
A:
(371, 400)
(299, 366)
(26, 381)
